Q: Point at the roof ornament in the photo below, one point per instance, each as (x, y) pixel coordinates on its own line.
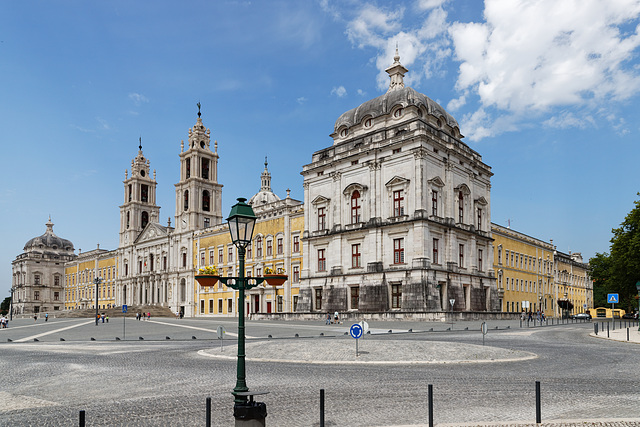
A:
(140, 146)
(198, 104)
(396, 72)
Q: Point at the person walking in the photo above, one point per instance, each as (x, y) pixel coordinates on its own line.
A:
(148, 315)
(328, 320)
(107, 318)
(46, 317)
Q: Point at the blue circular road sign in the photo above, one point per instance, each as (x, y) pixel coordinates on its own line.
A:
(356, 330)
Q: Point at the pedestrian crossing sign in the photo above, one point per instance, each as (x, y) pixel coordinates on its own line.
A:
(612, 298)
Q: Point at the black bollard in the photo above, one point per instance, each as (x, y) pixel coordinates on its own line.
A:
(627, 334)
(321, 407)
(81, 419)
(430, 405)
(208, 419)
(538, 409)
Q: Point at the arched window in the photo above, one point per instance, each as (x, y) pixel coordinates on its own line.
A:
(355, 207)
(128, 219)
(205, 200)
(144, 219)
(186, 200)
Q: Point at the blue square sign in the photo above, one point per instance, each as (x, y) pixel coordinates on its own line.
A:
(612, 298)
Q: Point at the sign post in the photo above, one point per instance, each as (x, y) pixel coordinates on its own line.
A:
(124, 320)
(613, 300)
(356, 332)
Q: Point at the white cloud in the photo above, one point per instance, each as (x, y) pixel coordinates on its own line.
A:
(138, 99)
(455, 104)
(301, 100)
(430, 4)
(568, 119)
(361, 92)
(534, 57)
(104, 125)
(339, 91)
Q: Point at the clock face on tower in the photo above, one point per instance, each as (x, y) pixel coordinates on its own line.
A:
(184, 223)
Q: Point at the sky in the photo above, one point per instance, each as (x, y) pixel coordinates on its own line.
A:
(546, 91)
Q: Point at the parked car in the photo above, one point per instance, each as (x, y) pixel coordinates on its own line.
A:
(630, 316)
(584, 316)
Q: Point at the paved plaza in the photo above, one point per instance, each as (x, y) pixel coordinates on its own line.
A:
(159, 372)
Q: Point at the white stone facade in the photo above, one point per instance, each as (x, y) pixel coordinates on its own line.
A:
(397, 212)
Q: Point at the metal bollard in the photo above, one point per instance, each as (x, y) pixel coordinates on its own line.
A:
(430, 405)
(538, 408)
(81, 418)
(627, 334)
(595, 328)
(208, 416)
(607, 329)
(321, 407)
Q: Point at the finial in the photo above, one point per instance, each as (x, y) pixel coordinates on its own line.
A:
(396, 58)
(265, 162)
(140, 146)
(198, 104)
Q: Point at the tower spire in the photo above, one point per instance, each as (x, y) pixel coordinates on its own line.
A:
(140, 146)
(198, 104)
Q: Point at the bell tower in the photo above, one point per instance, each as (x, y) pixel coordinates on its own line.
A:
(139, 206)
(198, 194)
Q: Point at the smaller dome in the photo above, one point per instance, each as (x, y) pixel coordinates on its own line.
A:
(265, 195)
(49, 241)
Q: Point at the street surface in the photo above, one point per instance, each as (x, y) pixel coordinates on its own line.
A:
(164, 382)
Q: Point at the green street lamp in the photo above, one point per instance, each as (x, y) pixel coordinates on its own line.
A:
(241, 223)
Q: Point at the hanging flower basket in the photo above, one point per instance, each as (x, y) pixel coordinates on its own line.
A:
(207, 279)
(275, 279)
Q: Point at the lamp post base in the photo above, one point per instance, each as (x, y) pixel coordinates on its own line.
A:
(250, 414)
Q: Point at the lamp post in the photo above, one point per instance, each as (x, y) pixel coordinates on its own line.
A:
(241, 222)
(11, 306)
(97, 281)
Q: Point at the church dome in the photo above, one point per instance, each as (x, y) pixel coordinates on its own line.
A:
(383, 105)
(397, 96)
(48, 242)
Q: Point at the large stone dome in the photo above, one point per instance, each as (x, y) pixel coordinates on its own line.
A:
(383, 105)
(49, 242)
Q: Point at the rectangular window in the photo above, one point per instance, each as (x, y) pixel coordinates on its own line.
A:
(318, 299)
(398, 251)
(480, 260)
(396, 296)
(230, 254)
(184, 259)
(229, 306)
(220, 256)
(434, 203)
(322, 216)
(210, 306)
(269, 247)
(296, 274)
(355, 297)
(211, 258)
(144, 193)
(56, 296)
(500, 255)
(205, 168)
(355, 207)
(140, 266)
(435, 251)
(460, 207)
(398, 203)
(249, 246)
(279, 245)
(461, 256)
(295, 303)
(202, 258)
(56, 281)
(201, 306)
(296, 243)
(479, 219)
(395, 151)
(126, 269)
(36, 279)
(207, 222)
(355, 256)
(322, 261)
(36, 295)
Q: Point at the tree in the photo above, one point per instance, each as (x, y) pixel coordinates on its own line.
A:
(4, 305)
(618, 271)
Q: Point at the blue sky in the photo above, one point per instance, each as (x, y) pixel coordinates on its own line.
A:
(546, 91)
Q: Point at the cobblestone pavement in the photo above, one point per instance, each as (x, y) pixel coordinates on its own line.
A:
(158, 381)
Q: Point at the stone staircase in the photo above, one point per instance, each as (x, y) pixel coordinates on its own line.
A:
(155, 310)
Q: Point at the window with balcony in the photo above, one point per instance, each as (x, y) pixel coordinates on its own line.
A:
(434, 203)
(356, 256)
(322, 218)
(398, 203)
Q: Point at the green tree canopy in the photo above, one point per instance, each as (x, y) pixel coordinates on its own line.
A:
(619, 270)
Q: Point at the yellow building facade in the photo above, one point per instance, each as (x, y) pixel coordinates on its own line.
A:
(276, 244)
(524, 269)
(573, 282)
(80, 287)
